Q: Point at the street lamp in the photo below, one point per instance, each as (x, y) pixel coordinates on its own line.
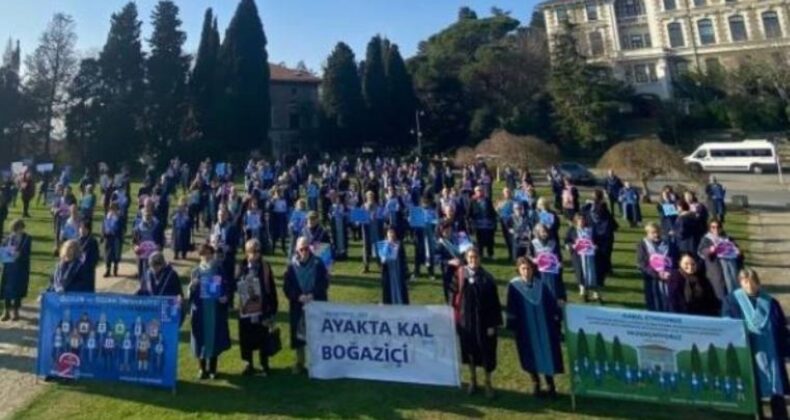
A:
(418, 132)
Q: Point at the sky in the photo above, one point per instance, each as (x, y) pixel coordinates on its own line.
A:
(297, 30)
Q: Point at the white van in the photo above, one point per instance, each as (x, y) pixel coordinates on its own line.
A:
(745, 156)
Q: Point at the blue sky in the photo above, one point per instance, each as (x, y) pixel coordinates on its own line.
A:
(296, 29)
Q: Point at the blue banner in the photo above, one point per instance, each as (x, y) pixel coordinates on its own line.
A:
(109, 337)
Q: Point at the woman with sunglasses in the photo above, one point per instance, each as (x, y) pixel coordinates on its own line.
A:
(257, 307)
(306, 280)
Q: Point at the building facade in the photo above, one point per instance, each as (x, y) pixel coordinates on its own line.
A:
(294, 110)
(647, 42)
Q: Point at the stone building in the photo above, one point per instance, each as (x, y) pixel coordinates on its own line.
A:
(294, 108)
(647, 42)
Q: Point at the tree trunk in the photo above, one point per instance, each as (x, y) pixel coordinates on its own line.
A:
(645, 191)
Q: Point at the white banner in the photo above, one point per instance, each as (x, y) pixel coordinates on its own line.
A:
(415, 344)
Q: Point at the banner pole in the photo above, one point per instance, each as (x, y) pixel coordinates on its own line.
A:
(573, 401)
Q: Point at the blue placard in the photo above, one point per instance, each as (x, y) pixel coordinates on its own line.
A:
(7, 255)
(210, 286)
(221, 169)
(324, 252)
(506, 210)
(464, 243)
(298, 220)
(386, 251)
(359, 215)
(546, 218)
(417, 217)
(431, 217)
(109, 337)
(669, 209)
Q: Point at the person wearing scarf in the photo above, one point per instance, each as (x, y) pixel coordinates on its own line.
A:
(146, 230)
(160, 279)
(686, 229)
(208, 298)
(767, 330)
(518, 230)
(545, 253)
(483, 218)
(16, 273)
(257, 307)
(112, 236)
(450, 257)
(655, 259)
(89, 247)
(722, 259)
(580, 242)
(604, 226)
(478, 315)
(225, 240)
(690, 292)
(394, 271)
(534, 317)
(306, 280)
(69, 275)
(548, 218)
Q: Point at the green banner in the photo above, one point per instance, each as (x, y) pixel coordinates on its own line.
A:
(659, 357)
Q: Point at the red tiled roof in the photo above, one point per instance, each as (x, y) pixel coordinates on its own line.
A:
(279, 73)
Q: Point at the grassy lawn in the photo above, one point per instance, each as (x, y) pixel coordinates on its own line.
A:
(285, 395)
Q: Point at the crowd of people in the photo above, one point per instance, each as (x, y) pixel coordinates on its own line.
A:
(449, 218)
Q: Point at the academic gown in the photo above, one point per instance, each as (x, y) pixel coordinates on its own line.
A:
(91, 257)
(182, 232)
(655, 290)
(165, 283)
(301, 278)
(16, 275)
(477, 308)
(534, 317)
(767, 331)
(629, 201)
(113, 238)
(69, 277)
(447, 250)
(339, 229)
(604, 226)
(394, 272)
(253, 334)
(685, 229)
(692, 294)
(372, 232)
(722, 272)
(551, 279)
(585, 267)
(210, 334)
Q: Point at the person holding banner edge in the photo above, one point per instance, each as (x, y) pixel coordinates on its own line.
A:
(394, 270)
(208, 298)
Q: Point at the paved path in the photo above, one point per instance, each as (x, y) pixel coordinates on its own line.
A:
(769, 231)
(18, 340)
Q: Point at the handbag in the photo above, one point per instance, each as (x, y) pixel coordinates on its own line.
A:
(274, 344)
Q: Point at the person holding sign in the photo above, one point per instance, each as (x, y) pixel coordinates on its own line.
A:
(182, 230)
(15, 257)
(656, 256)
(518, 230)
(370, 217)
(423, 221)
(146, 239)
(279, 220)
(394, 289)
(306, 280)
(667, 209)
(478, 314)
(69, 275)
(545, 253)
(548, 218)
(450, 257)
(160, 279)
(296, 224)
(722, 259)
(690, 292)
(767, 329)
(257, 307)
(534, 317)
(580, 241)
(208, 297)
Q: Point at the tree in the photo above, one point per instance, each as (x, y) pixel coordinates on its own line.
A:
(617, 352)
(84, 114)
(518, 151)
(122, 68)
(167, 76)
(733, 366)
(538, 21)
(582, 351)
(696, 360)
(714, 368)
(645, 159)
(585, 98)
(243, 75)
(49, 71)
(600, 349)
(374, 90)
(342, 105)
(11, 102)
(466, 13)
(400, 98)
(200, 124)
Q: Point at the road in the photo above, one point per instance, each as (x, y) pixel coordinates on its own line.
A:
(762, 190)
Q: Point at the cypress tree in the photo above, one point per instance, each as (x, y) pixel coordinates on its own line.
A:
(167, 73)
(600, 349)
(402, 100)
(243, 82)
(714, 368)
(342, 104)
(696, 360)
(374, 89)
(200, 125)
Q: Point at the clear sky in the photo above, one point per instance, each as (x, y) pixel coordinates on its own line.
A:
(296, 29)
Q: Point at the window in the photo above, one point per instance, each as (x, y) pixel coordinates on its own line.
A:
(680, 67)
(670, 5)
(771, 26)
(729, 1)
(707, 35)
(596, 44)
(636, 42)
(562, 14)
(644, 73)
(702, 154)
(738, 29)
(648, 42)
(629, 8)
(592, 11)
(699, 3)
(675, 30)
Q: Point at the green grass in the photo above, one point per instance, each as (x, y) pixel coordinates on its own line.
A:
(285, 395)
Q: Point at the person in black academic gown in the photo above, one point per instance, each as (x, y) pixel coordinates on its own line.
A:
(394, 272)
(160, 279)
(534, 317)
(69, 275)
(16, 274)
(655, 276)
(450, 257)
(767, 329)
(690, 292)
(182, 231)
(210, 333)
(478, 315)
(306, 280)
(686, 229)
(721, 268)
(257, 307)
(225, 238)
(90, 254)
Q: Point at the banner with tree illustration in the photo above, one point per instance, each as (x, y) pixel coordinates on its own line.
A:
(658, 357)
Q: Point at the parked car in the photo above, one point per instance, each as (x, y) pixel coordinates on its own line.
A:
(577, 173)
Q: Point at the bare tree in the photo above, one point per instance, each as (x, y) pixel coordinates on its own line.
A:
(49, 71)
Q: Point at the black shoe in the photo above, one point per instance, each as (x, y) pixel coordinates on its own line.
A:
(248, 371)
(202, 375)
(552, 393)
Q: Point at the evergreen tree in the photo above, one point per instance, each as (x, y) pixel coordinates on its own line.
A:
(10, 103)
(714, 368)
(600, 349)
(200, 127)
(696, 360)
(167, 74)
(582, 351)
(374, 90)
(342, 105)
(733, 366)
(122, 66)
(401, 98)
(617, 351)
(84, 114)
(244, 114)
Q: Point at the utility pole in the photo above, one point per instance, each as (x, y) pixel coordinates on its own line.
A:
(418, 132)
